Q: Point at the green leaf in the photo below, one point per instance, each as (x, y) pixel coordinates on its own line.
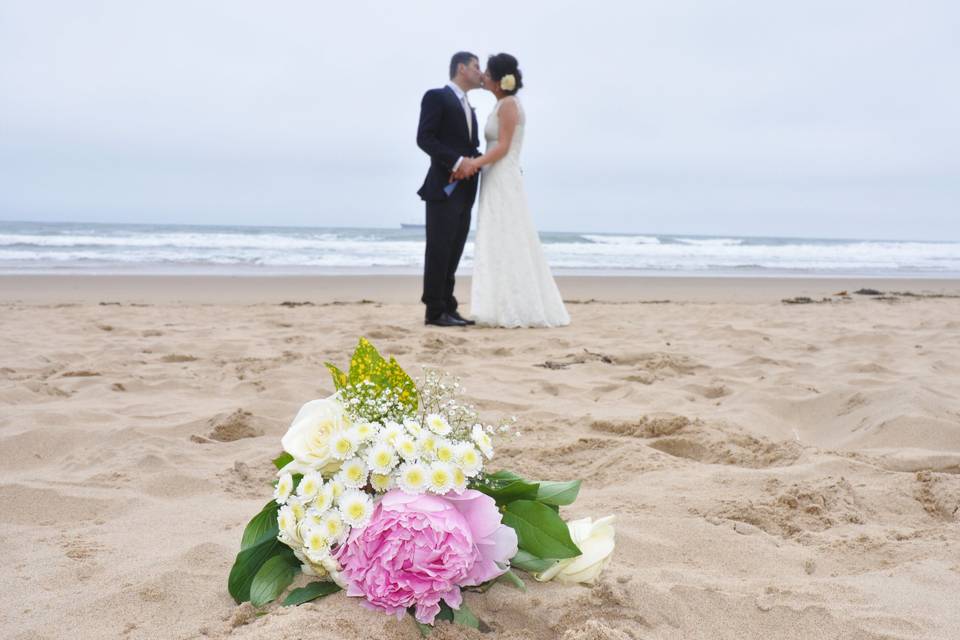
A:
(526, 561)
(483, 587)
(367, 365)
(398, 379)
(446, 613)
(500, 477)
(558, 493)
(282, 460)
(540, 530)
(312, 591)
(339, 377)
(425, 629)
(505, 487)
(516, 490)
(262, 527)
(274, 576)
(248, 563)
(463, 616)
(511, 578)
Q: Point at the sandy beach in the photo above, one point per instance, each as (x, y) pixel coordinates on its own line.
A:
(778, 470)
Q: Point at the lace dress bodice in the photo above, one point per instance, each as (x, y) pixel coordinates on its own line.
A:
(491, 132)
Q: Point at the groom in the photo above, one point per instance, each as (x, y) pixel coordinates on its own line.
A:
(448, 134)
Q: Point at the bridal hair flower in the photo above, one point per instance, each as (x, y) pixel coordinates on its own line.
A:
(383, 492)
(508, 82)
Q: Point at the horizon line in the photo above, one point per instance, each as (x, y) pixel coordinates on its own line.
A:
(399, 226)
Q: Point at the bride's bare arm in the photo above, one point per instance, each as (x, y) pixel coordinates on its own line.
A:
(509, 115)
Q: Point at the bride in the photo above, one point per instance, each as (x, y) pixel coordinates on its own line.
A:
(512, 284)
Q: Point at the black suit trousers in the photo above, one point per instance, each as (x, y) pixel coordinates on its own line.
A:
(448, 223)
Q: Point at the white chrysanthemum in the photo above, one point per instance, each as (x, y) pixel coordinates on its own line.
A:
(438, 424)
(407, 447)
(468, 458)
(344, 445)
(323, 499)
(459, 480)
(309, 485)
(316, 546)
(482, 440)
(353, 473)
(381, 458)
(412, 426)
(333, 527)
(313, 517)
(381, 483)
(283, 488)
(366, 431)
(440, 478)
(287, 523)
(412, 478)
(444, 450)
(315, 558)
(336, 487)
(298, 508)
(303, 527)
(356, 508)
(390, 433)
(427, 443)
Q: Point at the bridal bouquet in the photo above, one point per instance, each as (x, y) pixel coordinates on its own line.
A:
(383, 491)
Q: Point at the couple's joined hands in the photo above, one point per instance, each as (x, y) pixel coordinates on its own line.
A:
(467, 169)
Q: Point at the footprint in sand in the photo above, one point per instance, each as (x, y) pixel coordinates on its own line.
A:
(79, 549)
(653, 426)
(229, 428)
(42, 388)
(644, 377)
(388, 332)
(438, 343)
(176, 357)
(939, 494)
(802, 507)
(717, 445)
(711, 392)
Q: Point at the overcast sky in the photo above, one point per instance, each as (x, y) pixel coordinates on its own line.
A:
(826, 119)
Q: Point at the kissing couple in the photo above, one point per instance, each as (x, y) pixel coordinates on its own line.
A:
(512, 285)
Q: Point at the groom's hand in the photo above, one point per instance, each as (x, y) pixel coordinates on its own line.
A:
(467, 169)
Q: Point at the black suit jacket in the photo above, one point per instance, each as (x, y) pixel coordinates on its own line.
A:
(443, 135)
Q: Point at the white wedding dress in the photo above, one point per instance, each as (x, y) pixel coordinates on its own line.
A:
(512, 285)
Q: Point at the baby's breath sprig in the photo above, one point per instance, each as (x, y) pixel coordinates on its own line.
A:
(366, 402)
(438, 393)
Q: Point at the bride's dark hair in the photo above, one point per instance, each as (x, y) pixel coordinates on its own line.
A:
(504, 64)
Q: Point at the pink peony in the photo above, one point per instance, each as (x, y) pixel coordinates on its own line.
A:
(418, 549)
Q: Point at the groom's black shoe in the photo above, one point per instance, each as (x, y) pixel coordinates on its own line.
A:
(456, 316)
(445, 320)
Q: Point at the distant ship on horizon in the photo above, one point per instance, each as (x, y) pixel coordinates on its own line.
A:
(406, 225)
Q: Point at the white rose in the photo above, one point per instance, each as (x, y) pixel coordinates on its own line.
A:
(311, 433)
(595, 540)
(508, 82)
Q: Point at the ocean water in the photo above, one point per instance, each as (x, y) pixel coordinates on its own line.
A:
(28, 247)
